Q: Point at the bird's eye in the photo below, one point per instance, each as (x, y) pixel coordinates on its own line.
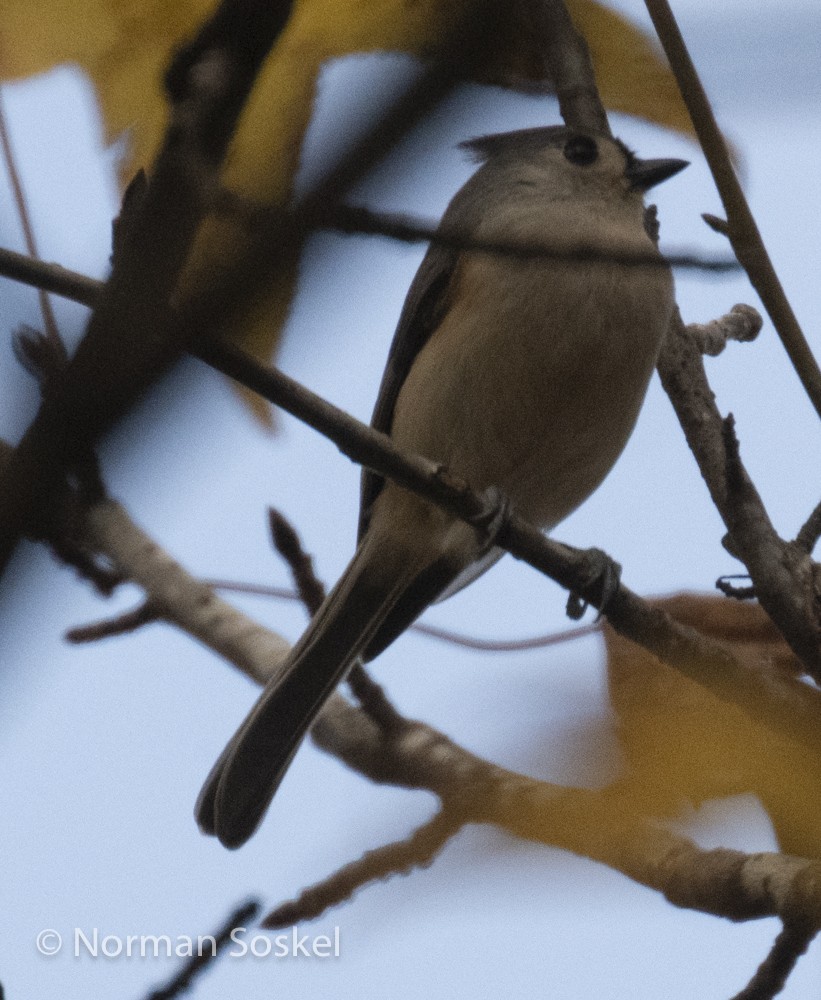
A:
(581, 150)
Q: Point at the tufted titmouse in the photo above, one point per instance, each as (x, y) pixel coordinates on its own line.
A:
(514, 371)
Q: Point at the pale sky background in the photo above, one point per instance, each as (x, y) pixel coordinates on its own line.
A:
(105, 747)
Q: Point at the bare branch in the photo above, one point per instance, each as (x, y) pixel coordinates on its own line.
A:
(122, 624)
(683, 376)
(197, 964)
(131, 335)
(741, 323)
(400, 858)
(773, 972)
(742, 230)
(786, 580)
(596, 824)
(810, 532)
(599, 825)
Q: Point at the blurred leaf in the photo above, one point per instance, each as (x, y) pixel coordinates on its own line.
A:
(682, 743)
(125, 45)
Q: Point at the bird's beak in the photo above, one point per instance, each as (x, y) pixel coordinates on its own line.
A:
(644, 174)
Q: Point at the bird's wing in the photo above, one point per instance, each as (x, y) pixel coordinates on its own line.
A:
(426, 303)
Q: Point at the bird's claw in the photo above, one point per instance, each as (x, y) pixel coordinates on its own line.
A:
(493, 517)
(602, 576)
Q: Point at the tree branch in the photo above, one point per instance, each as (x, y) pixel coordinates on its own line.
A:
(742, 230)
(773, 972)
(179, 598)
(197, 964)
(787, 582)
(596, 824)
(400, 858)
(131, 337)
(763, 697)
(571, 70)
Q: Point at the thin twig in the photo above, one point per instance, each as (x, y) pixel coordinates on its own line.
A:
(206, 957)
(507, 645)
(433, 631)
(21, 204)
(742, 323)
(122, 624)
(742, 230)
(810, 532)
(400, 858)
(311, 590)
(771, 976)
(358, 220)
(287, 543)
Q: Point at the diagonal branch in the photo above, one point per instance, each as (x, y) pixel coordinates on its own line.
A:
(131, 337)
(789, 706)
(787, 582)
(571, 70)
(772, 974)
(200, 961)
(596, 824)
(400, 858)
(742, 230)
(10, 163)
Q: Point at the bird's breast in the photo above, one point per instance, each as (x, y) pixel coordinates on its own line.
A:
(534, 378)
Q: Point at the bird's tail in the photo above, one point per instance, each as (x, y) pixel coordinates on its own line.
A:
(242, 783)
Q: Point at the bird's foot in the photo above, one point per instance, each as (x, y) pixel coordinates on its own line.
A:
(493, 518)
(602, 576)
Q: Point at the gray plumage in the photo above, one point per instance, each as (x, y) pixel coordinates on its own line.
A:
(522, 373)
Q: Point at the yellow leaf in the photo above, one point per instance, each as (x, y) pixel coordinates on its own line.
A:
(683, 743)
(125, 46)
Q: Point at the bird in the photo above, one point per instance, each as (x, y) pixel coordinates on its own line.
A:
(519, 372)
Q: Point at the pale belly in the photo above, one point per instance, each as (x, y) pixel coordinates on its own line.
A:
(538, 396)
